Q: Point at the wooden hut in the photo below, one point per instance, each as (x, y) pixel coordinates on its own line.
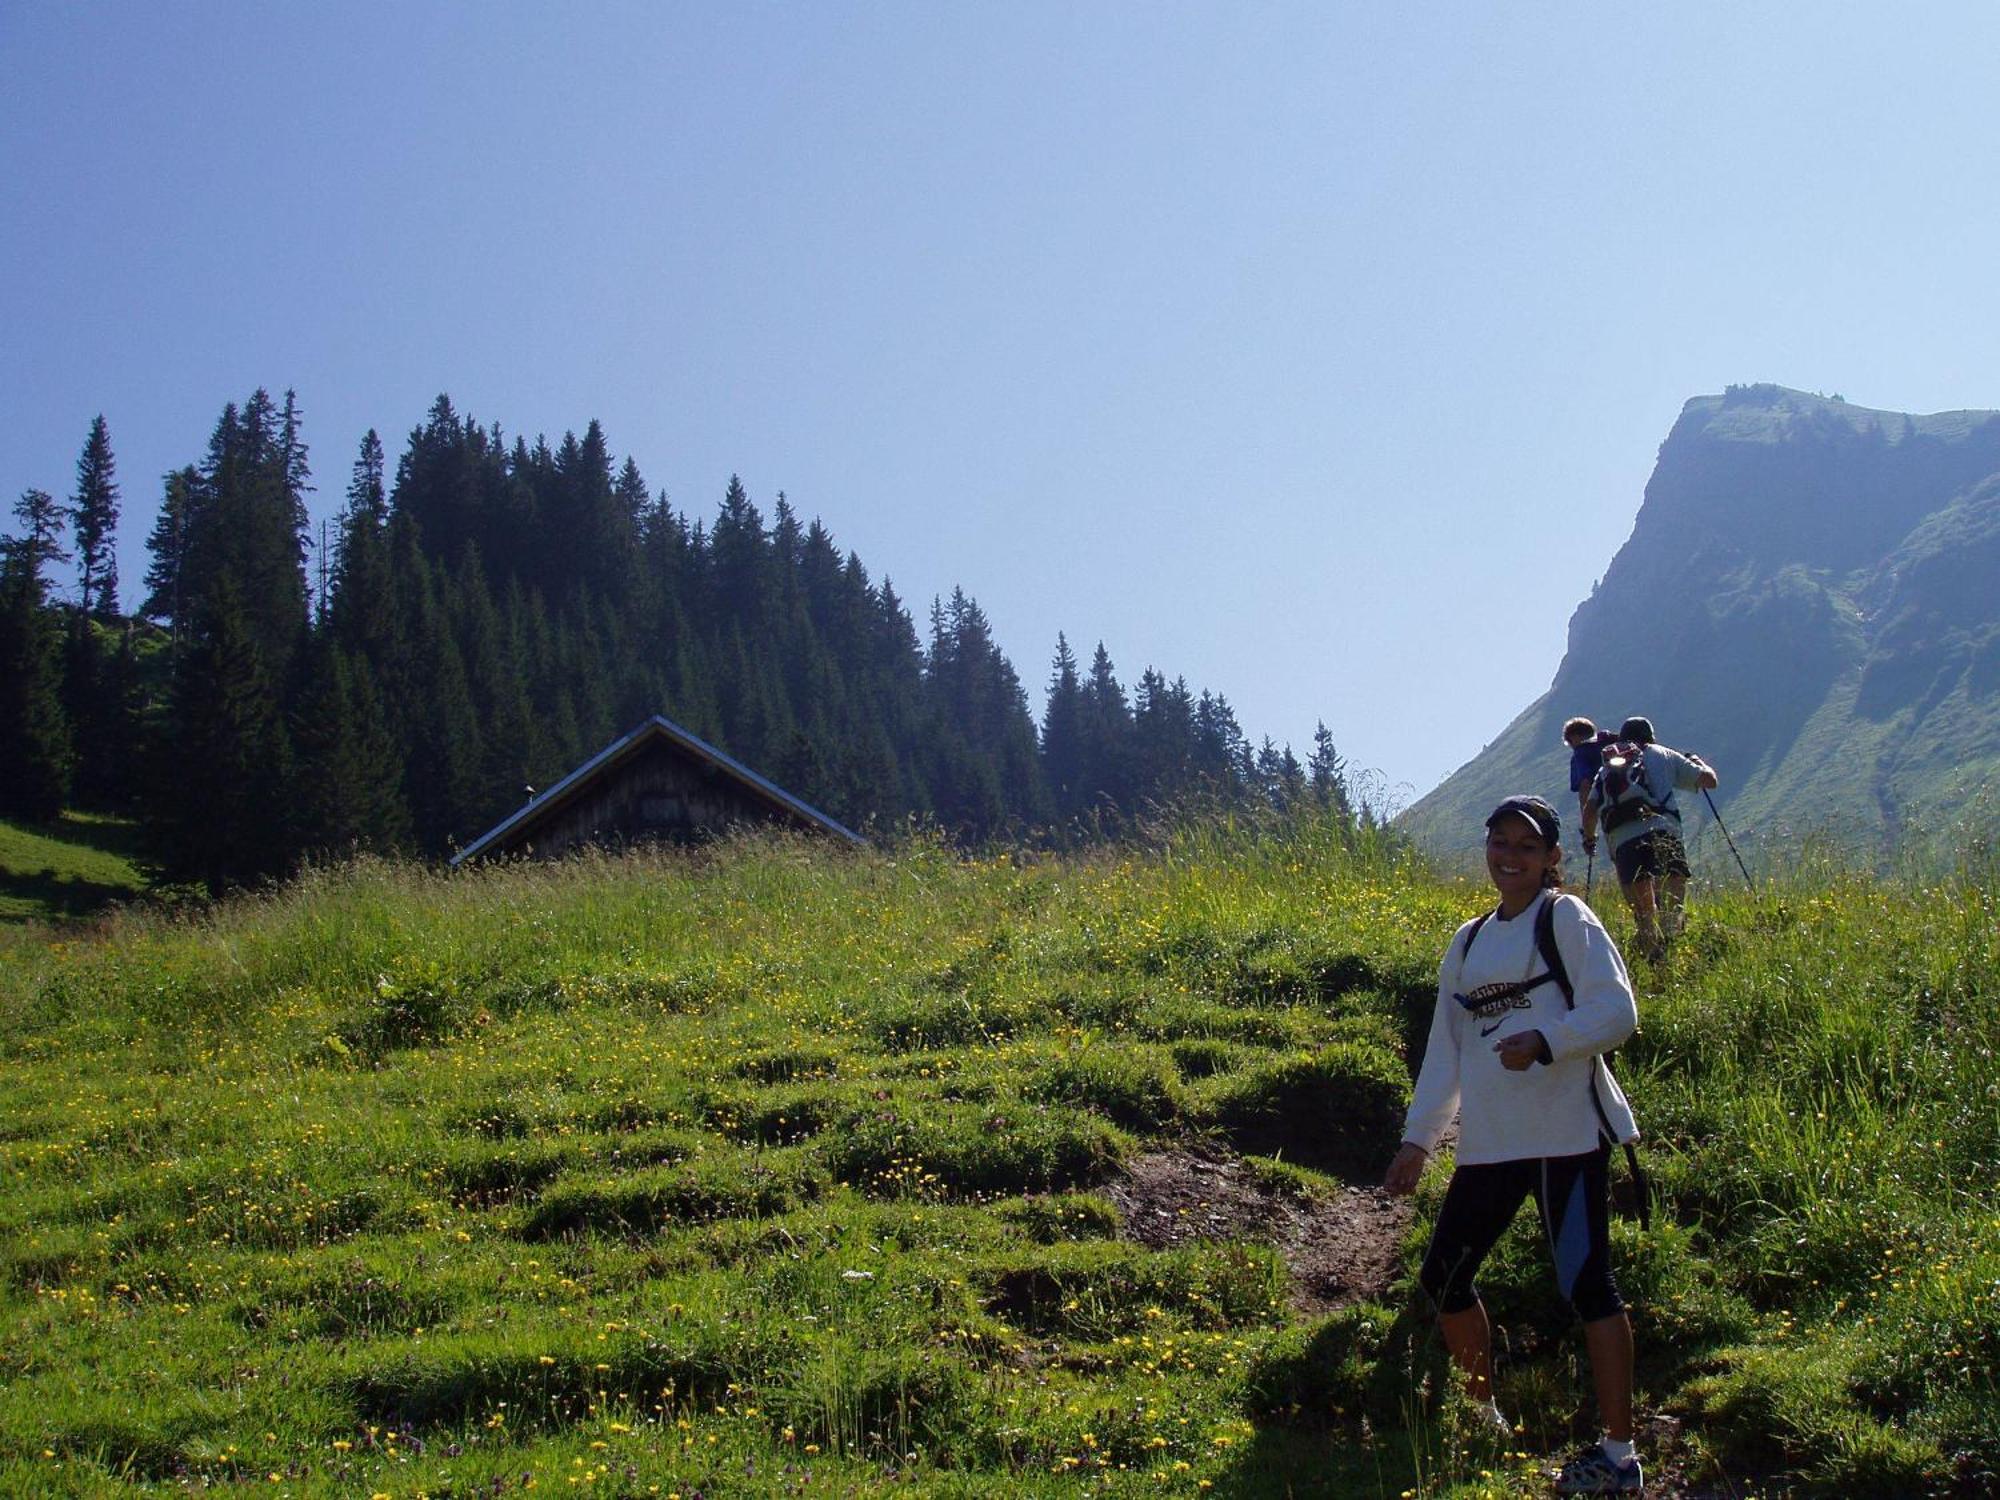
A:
(658, 783)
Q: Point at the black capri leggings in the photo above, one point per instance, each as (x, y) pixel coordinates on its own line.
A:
(1573, 1194)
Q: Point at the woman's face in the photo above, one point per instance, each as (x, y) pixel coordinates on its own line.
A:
(1516, 858)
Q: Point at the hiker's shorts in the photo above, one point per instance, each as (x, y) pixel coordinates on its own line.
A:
(1574, 1196)
(1650, 854)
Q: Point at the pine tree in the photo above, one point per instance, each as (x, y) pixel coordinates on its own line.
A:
(361, 613)
(85, 686)
(1326, 772)
(165, 577)
(1063, 733)
(1219, 747)
(431, 705)
(740, 561)
(95, 508)
(34, 731)
(346, 796)
(220, 816)
(42, 519)
(499, 694)
(245, 528)
(1109, 774)
(1163, 735)
(978, 706)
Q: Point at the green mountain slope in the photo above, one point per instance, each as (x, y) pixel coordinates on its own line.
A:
(1810, 597)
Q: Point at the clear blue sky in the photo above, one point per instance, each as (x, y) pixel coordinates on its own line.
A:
(1318, 353)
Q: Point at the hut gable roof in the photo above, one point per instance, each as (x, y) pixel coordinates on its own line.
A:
(519, 825)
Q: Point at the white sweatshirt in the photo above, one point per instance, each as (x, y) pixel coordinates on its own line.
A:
(1545, 1110)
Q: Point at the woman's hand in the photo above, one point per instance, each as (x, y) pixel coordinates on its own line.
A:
(1401, 1178)
(1521, 1051)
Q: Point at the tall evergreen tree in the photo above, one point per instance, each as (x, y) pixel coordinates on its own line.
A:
(166, 575)
(347, 794)
(95, 509)
(245, 528)
(227, 771)
(42, 518)
(34, 730)
(1326, 771)
(360, 614)
(1064, 743)
(1109, 771)
(740, 561)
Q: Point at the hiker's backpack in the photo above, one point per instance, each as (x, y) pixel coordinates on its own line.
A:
(1623, 790)
(1558, 971)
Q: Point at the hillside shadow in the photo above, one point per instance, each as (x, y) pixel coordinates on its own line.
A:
(107, 835)
(1286, 1462)
(61, 896)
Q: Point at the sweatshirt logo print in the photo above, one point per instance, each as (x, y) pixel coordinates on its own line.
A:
(1492, 1002)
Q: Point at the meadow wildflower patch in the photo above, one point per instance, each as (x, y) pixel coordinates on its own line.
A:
(769, 1170)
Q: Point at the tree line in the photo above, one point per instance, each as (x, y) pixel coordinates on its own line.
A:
(484, 618)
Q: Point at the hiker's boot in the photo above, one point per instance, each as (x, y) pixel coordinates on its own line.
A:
(1594, 1472)
(1672, 924)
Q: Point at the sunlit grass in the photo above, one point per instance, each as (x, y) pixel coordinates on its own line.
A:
(773, 1169)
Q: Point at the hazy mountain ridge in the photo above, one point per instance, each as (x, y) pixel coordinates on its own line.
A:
(1810, 597)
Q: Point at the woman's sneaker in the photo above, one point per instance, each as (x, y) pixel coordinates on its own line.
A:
(1592, 1472)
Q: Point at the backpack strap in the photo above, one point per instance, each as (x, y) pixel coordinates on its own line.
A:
(1545, 942)
(1471, 933)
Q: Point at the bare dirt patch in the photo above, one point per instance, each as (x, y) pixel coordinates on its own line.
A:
(1340, 1249)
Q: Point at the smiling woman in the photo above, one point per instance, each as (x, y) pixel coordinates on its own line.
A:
(1516, 1048)
(1523, 852)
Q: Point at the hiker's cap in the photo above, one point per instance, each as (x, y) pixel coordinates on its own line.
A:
(1638, 728)
(1536, 811)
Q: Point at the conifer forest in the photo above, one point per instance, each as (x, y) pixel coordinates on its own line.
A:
(489, 612)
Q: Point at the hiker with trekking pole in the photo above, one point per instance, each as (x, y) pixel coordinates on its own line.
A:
(1632, 798)
(1586, 753)
(1531, 997)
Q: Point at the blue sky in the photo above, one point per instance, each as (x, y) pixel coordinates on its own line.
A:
(1318, 353)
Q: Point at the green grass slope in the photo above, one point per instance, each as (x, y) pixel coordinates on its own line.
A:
(777, 1171)
(72, 868)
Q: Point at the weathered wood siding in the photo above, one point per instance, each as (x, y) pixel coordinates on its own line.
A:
(659, 794)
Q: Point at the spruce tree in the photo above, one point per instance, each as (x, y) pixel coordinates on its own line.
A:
(346, 797)
(166, 575)
(361, 613)
(42, 518)
(1326, 772)
(95, 509)
(245, 528)
(1109, 772)
(1063, 733)
(220, 813)
(34, 731)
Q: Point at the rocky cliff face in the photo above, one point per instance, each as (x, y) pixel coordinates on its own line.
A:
(1811, 599)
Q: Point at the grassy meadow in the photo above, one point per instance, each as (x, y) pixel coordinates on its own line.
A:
(776, 1170)
(75, 868)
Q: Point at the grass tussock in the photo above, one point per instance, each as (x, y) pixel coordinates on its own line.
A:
(778, 1170)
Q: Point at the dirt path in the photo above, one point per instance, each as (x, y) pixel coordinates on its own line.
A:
(1340, 1250)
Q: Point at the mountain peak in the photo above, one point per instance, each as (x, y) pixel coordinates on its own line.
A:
(1810, 595)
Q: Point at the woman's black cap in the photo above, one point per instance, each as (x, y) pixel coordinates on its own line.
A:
(1536, 811)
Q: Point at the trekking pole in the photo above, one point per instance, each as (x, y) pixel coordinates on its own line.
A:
(1726, 838)
(1589, 872)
